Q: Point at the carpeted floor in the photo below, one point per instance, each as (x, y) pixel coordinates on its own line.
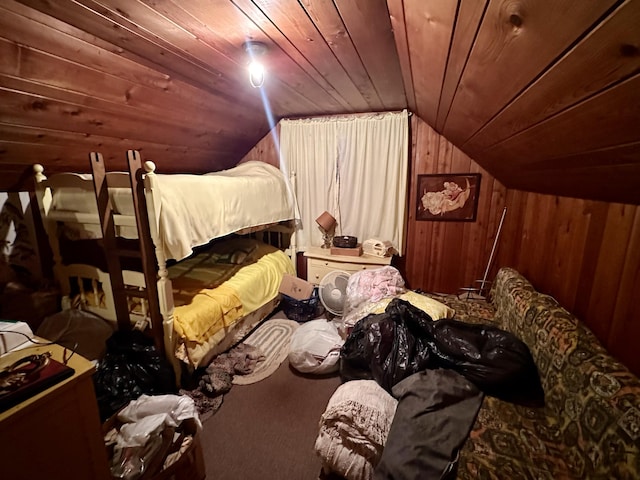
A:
(267, 430)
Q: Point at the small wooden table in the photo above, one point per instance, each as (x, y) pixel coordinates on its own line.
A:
(55, 434)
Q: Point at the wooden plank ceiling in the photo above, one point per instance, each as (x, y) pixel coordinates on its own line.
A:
(545, 94)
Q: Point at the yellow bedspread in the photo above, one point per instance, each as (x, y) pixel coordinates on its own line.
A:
(206, 318)
(209, 311)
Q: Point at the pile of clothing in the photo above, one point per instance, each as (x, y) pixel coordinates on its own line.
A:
(218, 377)
(437, 372)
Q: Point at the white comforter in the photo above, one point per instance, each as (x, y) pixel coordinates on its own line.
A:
(194, 209)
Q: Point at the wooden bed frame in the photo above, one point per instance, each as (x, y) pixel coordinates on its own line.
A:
(109, 294)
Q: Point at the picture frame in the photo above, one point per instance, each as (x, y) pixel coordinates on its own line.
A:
(448, 197)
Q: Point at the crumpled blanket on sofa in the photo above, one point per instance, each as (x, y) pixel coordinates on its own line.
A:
(354, 428)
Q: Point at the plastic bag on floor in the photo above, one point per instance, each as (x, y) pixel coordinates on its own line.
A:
(315, 347)
(144, 433)
(176, 407)
(131, 367)
(404, 340)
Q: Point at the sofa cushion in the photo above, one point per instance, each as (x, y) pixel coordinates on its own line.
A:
(511, 441)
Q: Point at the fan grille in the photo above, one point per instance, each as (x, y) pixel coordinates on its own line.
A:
(333, 291)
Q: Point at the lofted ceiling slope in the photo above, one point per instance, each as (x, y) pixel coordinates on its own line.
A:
(544, 94)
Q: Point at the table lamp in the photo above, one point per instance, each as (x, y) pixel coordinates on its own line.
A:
(327, 225)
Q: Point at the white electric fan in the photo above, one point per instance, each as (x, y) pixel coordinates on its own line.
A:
(333, 291)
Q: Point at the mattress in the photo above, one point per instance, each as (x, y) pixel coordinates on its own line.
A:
(210, 302)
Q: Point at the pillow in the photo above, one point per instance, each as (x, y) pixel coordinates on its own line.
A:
(237, 257)
(435, 309)
(235, 252)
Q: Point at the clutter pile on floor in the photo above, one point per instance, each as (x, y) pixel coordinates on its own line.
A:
(218, 377)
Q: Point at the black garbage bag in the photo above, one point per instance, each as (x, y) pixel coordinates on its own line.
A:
(131, 367)
(403, 340)
(386, 348)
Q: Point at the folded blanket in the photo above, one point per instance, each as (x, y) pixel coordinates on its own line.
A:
(354, 428)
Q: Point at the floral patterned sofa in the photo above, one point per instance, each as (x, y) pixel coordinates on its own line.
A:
(589, 427)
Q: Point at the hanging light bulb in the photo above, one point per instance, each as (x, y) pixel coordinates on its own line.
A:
(256, 74)
(255, 50)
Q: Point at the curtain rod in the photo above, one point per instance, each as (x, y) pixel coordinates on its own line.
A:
(348, 115)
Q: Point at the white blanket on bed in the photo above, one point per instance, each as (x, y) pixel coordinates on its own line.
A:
(196, 208)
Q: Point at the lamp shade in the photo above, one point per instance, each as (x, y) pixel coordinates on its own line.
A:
(326, 221)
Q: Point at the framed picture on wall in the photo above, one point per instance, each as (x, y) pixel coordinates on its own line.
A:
(448, 196)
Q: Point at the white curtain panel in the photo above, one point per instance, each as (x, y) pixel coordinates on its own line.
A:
(354, 167)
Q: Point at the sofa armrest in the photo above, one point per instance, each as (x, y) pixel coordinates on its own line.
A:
(510, 296)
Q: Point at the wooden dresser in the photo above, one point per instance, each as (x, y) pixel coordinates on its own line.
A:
(56, 434)
(320, 262)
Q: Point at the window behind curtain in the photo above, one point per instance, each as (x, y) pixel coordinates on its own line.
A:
(354, 167)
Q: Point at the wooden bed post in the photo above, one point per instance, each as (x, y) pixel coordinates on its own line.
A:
(44, 199)
(148, 202)
(149, 258)
(112, 256)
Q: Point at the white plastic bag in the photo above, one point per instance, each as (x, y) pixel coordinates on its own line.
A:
(176, 408)
(315, 347)
(140, 437)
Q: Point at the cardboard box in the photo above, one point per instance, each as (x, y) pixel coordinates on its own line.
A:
(352, 252)
(296, 287)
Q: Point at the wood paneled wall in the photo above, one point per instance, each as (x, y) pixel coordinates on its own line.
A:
(266, 150)
(584, 253)
(444, 256)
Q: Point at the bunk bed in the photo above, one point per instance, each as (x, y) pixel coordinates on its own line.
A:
(188, 258)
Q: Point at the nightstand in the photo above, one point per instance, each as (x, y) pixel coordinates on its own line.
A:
(320, 262)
